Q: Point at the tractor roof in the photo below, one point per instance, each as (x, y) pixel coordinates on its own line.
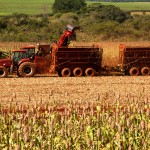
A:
(23, 51)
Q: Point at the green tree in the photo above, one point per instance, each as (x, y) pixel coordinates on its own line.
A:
(108, 12)
(68, 5)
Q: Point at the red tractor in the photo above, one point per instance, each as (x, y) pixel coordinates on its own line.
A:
(58, 57)
(9, 63)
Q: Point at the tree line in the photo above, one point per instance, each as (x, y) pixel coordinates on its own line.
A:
(98, 22)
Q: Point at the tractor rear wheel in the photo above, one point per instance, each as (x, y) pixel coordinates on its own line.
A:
(145, 71)
(90, 72)
(134, 71)
(26, 69)
(3, 72)
(66, 72)
(77, 72)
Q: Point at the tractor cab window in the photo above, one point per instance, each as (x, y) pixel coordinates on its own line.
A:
(17, 56)
(30, 52)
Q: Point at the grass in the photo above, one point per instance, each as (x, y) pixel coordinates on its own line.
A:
(45, 6)
(128, 6)
(28, 7)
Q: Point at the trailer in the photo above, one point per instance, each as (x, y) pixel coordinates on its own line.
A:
(76, 61)
(134, 60)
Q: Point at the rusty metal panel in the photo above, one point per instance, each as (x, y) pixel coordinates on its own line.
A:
(71, 57)
(42, 63)
(79, 57)
(44, 48)
(133, 56)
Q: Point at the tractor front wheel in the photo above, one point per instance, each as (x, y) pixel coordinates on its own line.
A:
(26, 69)
(3, 72)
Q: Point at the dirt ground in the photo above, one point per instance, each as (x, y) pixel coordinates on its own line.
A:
(58, 90)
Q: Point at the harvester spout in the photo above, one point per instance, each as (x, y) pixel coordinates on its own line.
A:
(68, 35)
(71, 28)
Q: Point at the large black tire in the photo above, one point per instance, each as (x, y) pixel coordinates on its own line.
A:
(134, 71)
(66, 72)
(3, 72)
(145, 71)
(77, 72)
(90, 72)
(26, 69)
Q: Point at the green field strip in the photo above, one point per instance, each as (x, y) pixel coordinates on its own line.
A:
(27, 7)
(45, 6)
(128, 6)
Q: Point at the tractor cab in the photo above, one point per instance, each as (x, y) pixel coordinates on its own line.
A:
(30, 50)
(24, 52)
(17, 55)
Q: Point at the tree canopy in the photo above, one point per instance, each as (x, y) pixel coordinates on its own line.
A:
(64, 6)
(108, 12)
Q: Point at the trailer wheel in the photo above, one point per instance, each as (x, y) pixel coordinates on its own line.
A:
(3, 72)
(77, 72)
(134, 71)
(66, 72)
(90, 72)
(145, 71)
(26, 69)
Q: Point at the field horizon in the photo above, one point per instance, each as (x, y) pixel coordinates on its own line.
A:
(45, 7)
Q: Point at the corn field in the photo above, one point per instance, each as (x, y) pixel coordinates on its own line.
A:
(76, 126)
(75, 113)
